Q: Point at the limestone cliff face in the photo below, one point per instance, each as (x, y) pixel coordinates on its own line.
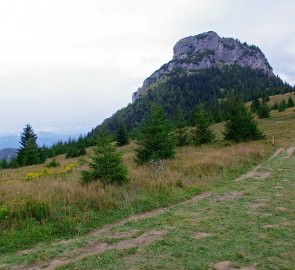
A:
(205, 51)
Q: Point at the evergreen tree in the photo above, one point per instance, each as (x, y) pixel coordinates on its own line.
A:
(3, 164)
(202, 122)
(255, 105)
(180, 134)
(240, 125)
(122, 135)
(13, 163)
(263, 111)
(155, 140)
(106, 163)
(290, 102)
(76, 148)
(28, 148)
(44, 153)
(275, 106)
(282, 106)
(31, 154)
(81, 145)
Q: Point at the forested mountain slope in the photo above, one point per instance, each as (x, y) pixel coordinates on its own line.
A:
(210, 86)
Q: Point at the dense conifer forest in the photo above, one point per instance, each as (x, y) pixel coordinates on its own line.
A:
(210, 86)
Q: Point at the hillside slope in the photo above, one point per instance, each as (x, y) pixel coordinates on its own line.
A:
(210, 86)
(40, 204)
(235, 223)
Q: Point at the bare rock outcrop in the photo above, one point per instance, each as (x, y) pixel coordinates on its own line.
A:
(208, 50)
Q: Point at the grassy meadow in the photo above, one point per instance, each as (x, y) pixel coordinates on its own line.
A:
(40, 204)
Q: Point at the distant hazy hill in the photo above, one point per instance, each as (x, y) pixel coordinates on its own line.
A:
(7, 153)
(46, 138)
(204, 69)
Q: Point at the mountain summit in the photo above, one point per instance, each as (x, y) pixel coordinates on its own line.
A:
(204, 69)
(208, 50)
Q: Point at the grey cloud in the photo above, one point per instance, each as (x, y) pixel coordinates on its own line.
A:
(67, 67)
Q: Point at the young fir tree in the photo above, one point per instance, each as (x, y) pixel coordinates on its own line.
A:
(76, 148)
(106, 163)
(282, 106)
(290, 103)
(28, 142)
(44, 153)
(3, 164)
(155, 140)
(263, 111)
(240, 125)
(275, 106)
(181, 137)
(13, 163)
(122, 135)
(31, 154)
(255, 105)
(202, 120)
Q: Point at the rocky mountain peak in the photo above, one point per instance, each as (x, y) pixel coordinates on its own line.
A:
(208, 50)
(195, 44)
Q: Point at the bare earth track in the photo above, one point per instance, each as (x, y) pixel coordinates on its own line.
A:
(96, 248)
(255, 173)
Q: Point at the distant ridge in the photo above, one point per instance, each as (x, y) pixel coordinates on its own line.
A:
(7, 153)
(46, 138)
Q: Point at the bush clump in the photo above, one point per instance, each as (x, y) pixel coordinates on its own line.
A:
(52, 164)
(37, 210)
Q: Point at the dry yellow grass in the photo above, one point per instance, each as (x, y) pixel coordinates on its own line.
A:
(281, 126)
(277, 98)
(195, 167)
(280, 98)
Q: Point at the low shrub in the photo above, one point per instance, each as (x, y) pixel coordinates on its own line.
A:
(33, 175)
(52, 164)
(69, 167)
(3, 213)
(35, 209)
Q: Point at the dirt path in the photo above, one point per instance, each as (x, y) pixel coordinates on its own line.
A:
(99, 246)
(255, 173)
(290, 152)
(150, 214)
(227, 265)
(276, 153)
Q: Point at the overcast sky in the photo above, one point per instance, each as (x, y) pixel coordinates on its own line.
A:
(65, 65)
